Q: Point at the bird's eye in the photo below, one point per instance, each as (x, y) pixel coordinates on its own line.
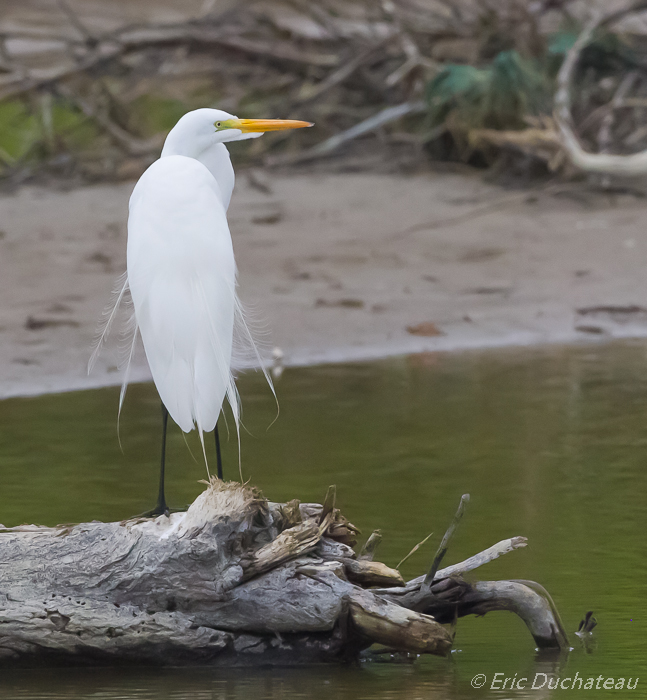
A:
(218, 125)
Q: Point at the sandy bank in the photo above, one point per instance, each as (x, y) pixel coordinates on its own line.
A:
(339, 267)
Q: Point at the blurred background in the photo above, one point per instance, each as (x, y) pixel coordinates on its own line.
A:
(436, 204)
(89, 89)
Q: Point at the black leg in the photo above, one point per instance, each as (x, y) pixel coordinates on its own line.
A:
(218, 455)
(161, 508)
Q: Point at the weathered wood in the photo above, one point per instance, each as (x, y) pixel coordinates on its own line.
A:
(535, 609)
(288, 545)
(372, 573)
(233, 577)
(444, 543)
(449, 597)
(484, 557)
(396, 627)
(372, 543)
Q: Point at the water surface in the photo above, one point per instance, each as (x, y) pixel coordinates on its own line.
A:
(550, 443)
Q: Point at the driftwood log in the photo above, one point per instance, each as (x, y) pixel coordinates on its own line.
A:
(234, 579)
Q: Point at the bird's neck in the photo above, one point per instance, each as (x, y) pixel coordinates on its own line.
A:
(215, 157)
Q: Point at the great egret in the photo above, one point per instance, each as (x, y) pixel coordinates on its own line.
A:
(182, 275)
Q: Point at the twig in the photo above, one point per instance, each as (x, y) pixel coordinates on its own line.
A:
(112, 45)
(383, 117)
(604, 134)
(444, 544)
(189, 32)
(76, 22)
(368, 550)
(401, 72)
(409, 46)
(636, 136)
(329, 503)
(319, 13)
(414, 550)
(338, 76)
(47, 119)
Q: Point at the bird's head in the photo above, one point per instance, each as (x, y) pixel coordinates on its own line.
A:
(202, 128)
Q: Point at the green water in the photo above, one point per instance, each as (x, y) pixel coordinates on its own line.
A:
(550, 443)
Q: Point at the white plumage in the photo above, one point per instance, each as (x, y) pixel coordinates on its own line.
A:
(182, 278)
(181, 270)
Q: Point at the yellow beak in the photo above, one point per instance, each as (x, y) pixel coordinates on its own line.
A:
(249, 125)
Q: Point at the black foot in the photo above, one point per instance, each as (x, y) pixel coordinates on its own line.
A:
(161, 510)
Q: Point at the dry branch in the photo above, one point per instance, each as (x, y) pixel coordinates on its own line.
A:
(383, 117)
(380, 621)
(372, 573)
(540, 140)
(338, 76)
(115, 44)
(447, 537)
(635, 164)
(463, 567)
(372, 543)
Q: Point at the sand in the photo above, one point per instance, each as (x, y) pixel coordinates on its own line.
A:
(338, 267)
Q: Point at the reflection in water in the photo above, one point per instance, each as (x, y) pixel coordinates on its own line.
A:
(550, 443)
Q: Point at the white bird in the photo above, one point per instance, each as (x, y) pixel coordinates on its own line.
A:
(181, 271)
